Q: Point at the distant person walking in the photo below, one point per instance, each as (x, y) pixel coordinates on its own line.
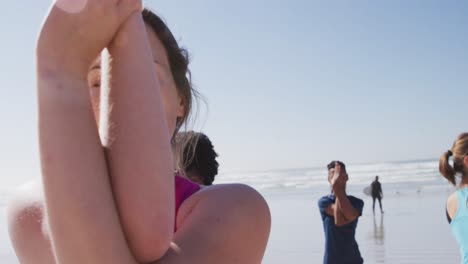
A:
(340, 213)
(457, 203)
(376, 193)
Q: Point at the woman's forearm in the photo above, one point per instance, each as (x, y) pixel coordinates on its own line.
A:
(137, 141)
(78, 197)
(83, 219)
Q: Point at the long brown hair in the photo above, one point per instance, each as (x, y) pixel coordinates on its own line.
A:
(178, 61)
(459, 150)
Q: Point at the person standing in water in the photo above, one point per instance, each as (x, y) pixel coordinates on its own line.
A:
(457, 203)
(340, 213)
(376, 193)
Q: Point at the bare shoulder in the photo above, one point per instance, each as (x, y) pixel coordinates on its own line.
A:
(235, 200)
(452, 205)
(232, 220)
(238, 194)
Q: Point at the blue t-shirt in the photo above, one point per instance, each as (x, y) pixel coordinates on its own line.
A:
(340, 245)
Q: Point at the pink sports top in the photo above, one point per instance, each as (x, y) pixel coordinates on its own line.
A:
(183, 190)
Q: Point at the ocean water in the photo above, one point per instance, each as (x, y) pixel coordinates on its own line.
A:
(396, 177)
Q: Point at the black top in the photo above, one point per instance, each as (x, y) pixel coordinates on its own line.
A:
(448, 216)
(376, 188)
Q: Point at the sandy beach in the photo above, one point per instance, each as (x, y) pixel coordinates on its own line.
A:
(412, 230)
(280, 88)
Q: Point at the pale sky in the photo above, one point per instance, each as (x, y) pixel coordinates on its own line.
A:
(288, 83)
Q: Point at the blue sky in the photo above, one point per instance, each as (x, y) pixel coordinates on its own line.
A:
(288, 84)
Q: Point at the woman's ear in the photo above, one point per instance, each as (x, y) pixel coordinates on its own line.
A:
(180, 107)
(465, 161)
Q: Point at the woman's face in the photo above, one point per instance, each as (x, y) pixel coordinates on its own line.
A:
(172, 103)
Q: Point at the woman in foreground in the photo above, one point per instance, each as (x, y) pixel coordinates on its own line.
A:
(110, 196)
(457, 203)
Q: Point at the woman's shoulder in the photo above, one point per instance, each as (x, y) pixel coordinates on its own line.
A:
(235, 214)
(452, 205)
(236, 199)
(452, 199)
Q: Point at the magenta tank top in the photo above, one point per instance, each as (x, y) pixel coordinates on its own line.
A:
(183, 190)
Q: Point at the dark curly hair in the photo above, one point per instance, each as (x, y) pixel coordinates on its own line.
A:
(198, 156)
(332, 165)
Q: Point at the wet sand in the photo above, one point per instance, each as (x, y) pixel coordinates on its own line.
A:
(412, 230)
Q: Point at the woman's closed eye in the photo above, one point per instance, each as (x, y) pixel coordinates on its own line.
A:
(94, 77)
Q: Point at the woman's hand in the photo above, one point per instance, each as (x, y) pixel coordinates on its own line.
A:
(76, 31)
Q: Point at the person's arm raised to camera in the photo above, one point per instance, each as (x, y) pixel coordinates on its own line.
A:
(333, 210)
(137, 139)
(345, 207)
(78, 197)
(342, 204)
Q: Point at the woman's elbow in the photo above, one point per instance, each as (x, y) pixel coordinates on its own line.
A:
(151, 243)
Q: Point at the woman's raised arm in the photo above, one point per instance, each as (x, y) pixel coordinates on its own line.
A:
(78, 196)
(137, 136)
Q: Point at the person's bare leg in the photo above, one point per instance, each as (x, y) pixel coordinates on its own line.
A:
(373, 204)
(380, 204)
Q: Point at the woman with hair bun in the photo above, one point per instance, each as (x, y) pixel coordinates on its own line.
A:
(452, 163)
